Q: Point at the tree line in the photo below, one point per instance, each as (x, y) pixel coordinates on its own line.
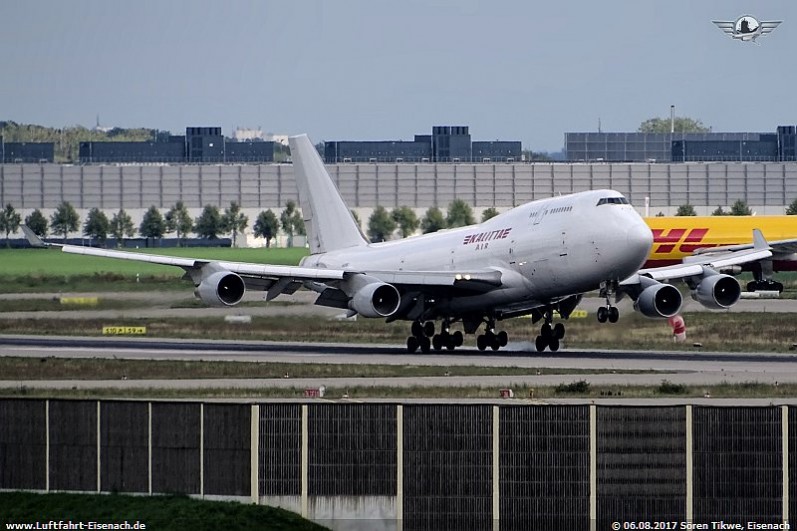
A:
(210, 224)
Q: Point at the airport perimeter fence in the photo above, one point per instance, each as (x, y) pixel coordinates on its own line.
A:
(45, 186)
(419, 466)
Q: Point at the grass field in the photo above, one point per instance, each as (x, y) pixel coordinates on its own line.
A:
(38, 270)
(162, 513)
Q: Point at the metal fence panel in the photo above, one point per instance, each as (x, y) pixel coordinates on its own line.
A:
(73, 445)
(352, 450)
(227, 446)
(447, 467)
(124, 446)
(280, 449)
(175, 448)
(544, 474)
(737, 464)
(23, 444)
(641, 464)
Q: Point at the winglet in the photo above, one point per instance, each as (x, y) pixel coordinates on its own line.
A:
(33, 238)
(759, 242)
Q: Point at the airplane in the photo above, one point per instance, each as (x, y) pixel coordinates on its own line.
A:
(536, 259)
(682, 238)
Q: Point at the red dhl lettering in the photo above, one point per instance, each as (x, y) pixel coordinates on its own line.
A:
(479, 237)
(668, 240)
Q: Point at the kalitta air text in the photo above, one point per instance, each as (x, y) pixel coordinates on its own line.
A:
(480, 237)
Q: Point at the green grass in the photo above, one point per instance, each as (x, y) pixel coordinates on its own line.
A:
(23, 368)
(576, 389)
(37, 270)
(161, 513)
(724, 332)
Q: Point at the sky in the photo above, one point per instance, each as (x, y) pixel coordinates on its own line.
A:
(387, 70)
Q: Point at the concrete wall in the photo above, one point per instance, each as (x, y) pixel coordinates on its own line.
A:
(766, 187)
(419, 466)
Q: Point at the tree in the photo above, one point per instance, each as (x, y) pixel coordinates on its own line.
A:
(153, 225)
(740, 208)
(179, 220)
(65, 219)
(97, 225)
(208, 224)
(682, 125)
(380, 225)
(686, 210)
(489, 213)
(356, 219)
(37, 223)
(121, 226)
(266, 226)
(9, 221)
(234, 221)
(406, 220)
(459, 214)
(432, 221)
(719, 212)
(292, 221)
(792, 209)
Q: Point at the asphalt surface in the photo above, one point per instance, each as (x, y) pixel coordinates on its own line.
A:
(683, 367)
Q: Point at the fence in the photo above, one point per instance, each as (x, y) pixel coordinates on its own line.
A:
(419, 466)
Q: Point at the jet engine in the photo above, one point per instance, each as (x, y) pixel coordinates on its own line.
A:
(221, 288)
(659, 300)
(375, 299)
(717, 292)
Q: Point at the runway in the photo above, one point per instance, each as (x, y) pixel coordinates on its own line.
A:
(683, 367)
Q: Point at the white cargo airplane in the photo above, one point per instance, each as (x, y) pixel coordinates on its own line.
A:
(532, 260)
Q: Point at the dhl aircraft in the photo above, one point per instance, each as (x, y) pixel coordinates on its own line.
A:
(682, 238)
(535, 259)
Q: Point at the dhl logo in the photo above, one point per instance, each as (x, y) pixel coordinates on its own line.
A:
(665, 241)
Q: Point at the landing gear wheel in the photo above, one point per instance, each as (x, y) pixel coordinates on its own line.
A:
(603, 314)
(558, 331)
(554, 344)
(540, 343)
(428, 328)
(417, 329)
(426, 344)
(457, 338)
(437, 342)
(503, 339)
(495, 344)
(614, 314)
(546, 332)
(481, 342)
(412, 344)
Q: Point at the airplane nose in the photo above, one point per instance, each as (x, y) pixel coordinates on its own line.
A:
(639, 240)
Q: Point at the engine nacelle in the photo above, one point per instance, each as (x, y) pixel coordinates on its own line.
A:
(659, 301)
(717, 292)
(222, 288)
(376, 299)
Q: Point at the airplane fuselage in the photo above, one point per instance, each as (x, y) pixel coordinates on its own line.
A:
(545, 250)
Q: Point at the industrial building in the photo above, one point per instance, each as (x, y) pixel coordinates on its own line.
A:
(199, 145)
(26, 152)
(682, 147)
(447, 143)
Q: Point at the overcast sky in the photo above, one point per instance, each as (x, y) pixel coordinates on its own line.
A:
(389, 69)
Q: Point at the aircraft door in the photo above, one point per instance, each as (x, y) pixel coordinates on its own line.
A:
(538, 216)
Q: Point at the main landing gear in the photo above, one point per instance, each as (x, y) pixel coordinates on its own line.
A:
(490, 339)
(765, 285)
(549, 335)
(423, 337)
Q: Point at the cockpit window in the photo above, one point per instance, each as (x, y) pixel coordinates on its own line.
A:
(613, 201)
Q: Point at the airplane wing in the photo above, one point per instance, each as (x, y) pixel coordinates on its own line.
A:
(779, 247)
(725, 25)
(279, 279)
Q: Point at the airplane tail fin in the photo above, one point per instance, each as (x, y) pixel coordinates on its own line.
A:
(329, 223)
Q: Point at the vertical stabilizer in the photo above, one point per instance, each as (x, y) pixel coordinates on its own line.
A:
(329, 223)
